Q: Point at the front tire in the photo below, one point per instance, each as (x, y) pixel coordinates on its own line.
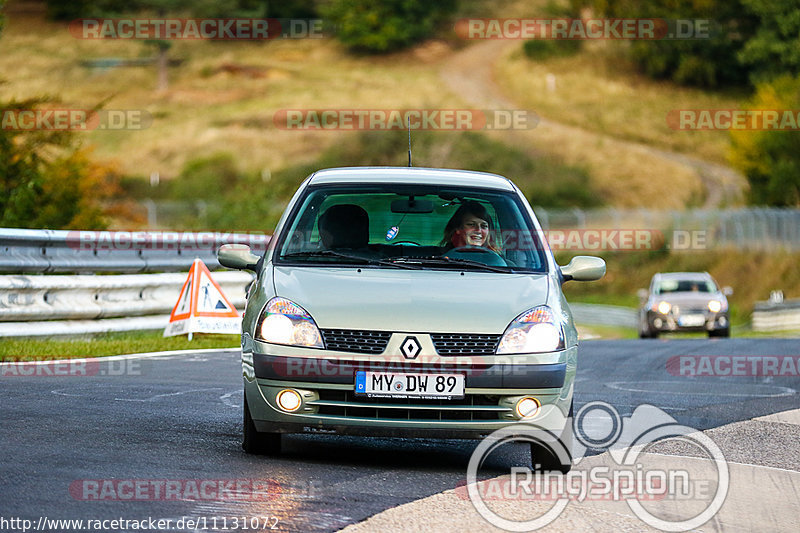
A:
(544, 459)
(255, 442)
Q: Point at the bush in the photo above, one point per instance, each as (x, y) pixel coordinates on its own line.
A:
(73, 9)
(544, 48)
(771, 159)
(704, 62)
(376, 27)
(48, 181)
(775, 48)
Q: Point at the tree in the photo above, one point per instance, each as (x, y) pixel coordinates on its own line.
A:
(47, 179)
(705, 62)
(375, 27)
(775, 47)
(771, 159)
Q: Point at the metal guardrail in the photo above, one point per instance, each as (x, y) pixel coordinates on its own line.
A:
(61, 251)
(783, 315)
(36, 305)
(604, 315)
(53, 305)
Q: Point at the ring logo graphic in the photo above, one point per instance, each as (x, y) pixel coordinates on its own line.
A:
(637, 477)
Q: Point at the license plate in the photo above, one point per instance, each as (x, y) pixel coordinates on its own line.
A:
(409, 385)
(691, 321)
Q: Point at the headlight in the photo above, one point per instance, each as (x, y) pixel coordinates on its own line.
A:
(663, 308)
(715, 306)
(285, 322)
(534, 331)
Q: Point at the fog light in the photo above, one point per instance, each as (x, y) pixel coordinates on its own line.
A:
(658, 323)
(289, 400)
(722, 321)
(527, 407)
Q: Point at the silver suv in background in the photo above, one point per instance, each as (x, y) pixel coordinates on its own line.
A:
(684, 301)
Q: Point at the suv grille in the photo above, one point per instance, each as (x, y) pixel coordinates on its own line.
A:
(345, 340)
(464, 343)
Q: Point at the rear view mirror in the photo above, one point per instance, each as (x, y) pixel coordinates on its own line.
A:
(237, 256)
(642, 294)
(412, 205)
(584, 268)
(727, 291)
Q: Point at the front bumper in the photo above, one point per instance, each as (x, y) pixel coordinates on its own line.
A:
(687, 322)
(330, 405)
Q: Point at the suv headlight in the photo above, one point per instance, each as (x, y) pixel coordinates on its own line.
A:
(662, 307)
(535, 331)
(284, 322)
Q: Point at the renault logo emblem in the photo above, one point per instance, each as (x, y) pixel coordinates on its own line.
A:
(410, 348)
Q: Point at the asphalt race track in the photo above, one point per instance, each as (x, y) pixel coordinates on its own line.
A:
(71, 440)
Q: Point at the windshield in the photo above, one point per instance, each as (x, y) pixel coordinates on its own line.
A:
(396, 226)
(685, 285)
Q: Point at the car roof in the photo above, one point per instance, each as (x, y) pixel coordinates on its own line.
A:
(411, 175)
(684, 275)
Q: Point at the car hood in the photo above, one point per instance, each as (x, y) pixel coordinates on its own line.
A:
(411, 300)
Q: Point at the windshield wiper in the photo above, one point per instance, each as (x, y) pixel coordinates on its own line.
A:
(327, 253)
(349, 257)
(446, 261)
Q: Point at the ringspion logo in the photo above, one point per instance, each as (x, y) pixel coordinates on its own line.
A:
(629, 476)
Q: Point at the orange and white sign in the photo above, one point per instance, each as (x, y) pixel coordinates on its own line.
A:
(202, 307)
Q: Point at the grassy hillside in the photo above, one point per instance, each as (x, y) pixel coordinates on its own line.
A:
(223, 95)
(599, 90)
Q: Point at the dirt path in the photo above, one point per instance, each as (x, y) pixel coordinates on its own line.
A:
(469, 73)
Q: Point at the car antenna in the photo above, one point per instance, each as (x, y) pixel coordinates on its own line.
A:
(408, 121)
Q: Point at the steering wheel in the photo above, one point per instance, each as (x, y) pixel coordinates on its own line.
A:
(412, 243)
(488, 256)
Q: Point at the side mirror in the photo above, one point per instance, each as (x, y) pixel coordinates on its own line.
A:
(237, 256)
(584, 268)
(727, 291)
(643, 294)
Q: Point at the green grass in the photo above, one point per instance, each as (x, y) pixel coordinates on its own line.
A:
(107, 344)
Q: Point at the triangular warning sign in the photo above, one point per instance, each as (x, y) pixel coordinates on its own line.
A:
(202, 306)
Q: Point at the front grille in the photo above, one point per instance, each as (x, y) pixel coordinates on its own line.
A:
(346, 403)
(464, 343)
(346, 340)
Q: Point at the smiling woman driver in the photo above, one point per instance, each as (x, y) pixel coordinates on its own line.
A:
(470, 225)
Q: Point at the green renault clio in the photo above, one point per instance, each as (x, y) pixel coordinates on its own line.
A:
(414, 302)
